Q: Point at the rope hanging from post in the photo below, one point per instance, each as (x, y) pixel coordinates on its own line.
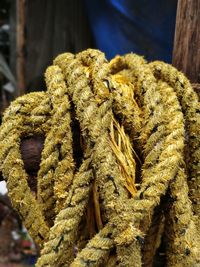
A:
(138, 179)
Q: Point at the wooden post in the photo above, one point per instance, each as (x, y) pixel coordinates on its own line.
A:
(186, 52)
(20, 43)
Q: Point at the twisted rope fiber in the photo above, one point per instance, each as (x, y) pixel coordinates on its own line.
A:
(28, 115)
(56, 172)
(191, 110)
(136, 120)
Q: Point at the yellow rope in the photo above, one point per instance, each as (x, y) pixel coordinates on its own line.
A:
(139, 127)
(28, 115)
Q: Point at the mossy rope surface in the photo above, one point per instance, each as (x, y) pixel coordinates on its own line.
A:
(122, 106)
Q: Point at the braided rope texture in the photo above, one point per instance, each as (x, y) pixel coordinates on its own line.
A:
(138, 184)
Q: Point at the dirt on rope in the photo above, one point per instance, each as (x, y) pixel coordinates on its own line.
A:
(138, 180)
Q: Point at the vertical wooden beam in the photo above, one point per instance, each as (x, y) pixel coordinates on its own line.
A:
(186, 52)
(20, 44)
(12, 21)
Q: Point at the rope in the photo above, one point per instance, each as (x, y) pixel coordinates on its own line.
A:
(138, 179)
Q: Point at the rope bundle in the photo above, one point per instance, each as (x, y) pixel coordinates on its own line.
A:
(139, 178)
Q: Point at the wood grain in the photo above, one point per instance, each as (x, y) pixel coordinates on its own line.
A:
(20, 45)
(186, 52)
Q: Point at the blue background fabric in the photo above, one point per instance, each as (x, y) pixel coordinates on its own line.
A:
(145, 27)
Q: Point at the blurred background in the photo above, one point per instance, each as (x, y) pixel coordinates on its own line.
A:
(33, 33)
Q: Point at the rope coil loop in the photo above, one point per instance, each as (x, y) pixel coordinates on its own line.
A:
(138, 179)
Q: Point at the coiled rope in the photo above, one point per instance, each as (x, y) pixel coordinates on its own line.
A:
(139, 178)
